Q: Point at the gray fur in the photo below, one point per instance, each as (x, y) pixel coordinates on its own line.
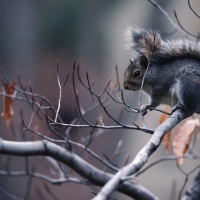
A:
(173, 75)
(149, 43)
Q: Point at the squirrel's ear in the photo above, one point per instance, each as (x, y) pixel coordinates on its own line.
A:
(131, 60)
(144, 61)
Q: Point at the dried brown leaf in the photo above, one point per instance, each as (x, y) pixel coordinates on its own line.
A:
(116, 82)
(183, 138)
(167, 137)
(8, 89)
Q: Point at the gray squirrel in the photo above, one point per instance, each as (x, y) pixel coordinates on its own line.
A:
(168, 71)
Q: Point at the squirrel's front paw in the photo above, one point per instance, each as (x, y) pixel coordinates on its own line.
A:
(143, 109)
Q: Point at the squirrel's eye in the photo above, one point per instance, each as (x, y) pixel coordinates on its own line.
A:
(137, 74)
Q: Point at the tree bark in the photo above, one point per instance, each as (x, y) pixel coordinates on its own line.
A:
(86, 170)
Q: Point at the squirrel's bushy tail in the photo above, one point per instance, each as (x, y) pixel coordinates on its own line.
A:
(149, 43)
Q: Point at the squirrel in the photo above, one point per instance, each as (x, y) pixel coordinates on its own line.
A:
(168, 71)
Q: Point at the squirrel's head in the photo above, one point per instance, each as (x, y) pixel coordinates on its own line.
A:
(135, 72)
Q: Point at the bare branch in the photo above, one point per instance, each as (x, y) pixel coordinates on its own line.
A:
(142, 157)
(193, 193)
(60, 91)
(96, 105)
(192, 9)
(183, 27)
(7, 194)
(86, 170)
(168, 17)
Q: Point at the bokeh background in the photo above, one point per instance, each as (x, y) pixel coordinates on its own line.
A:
(34, 34)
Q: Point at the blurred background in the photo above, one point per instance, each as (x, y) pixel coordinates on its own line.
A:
(34, 34)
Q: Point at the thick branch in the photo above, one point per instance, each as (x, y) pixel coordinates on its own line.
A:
(86, 170)
(142, 157)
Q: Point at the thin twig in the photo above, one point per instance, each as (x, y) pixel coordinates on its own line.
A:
(192, 9)
(7, 194)
(182, 26)
(95, 103)
(186, 179)
(60, 91)
(29, 184)
(168, 17)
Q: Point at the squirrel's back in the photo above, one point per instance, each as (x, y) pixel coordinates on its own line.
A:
(149, 43)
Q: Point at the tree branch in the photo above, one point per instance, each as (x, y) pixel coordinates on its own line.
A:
(168, 17)
(86, 170)
(142, 157)
(193, 193)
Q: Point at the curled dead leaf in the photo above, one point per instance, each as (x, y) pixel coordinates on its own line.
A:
(8, 89)
(183, 137)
